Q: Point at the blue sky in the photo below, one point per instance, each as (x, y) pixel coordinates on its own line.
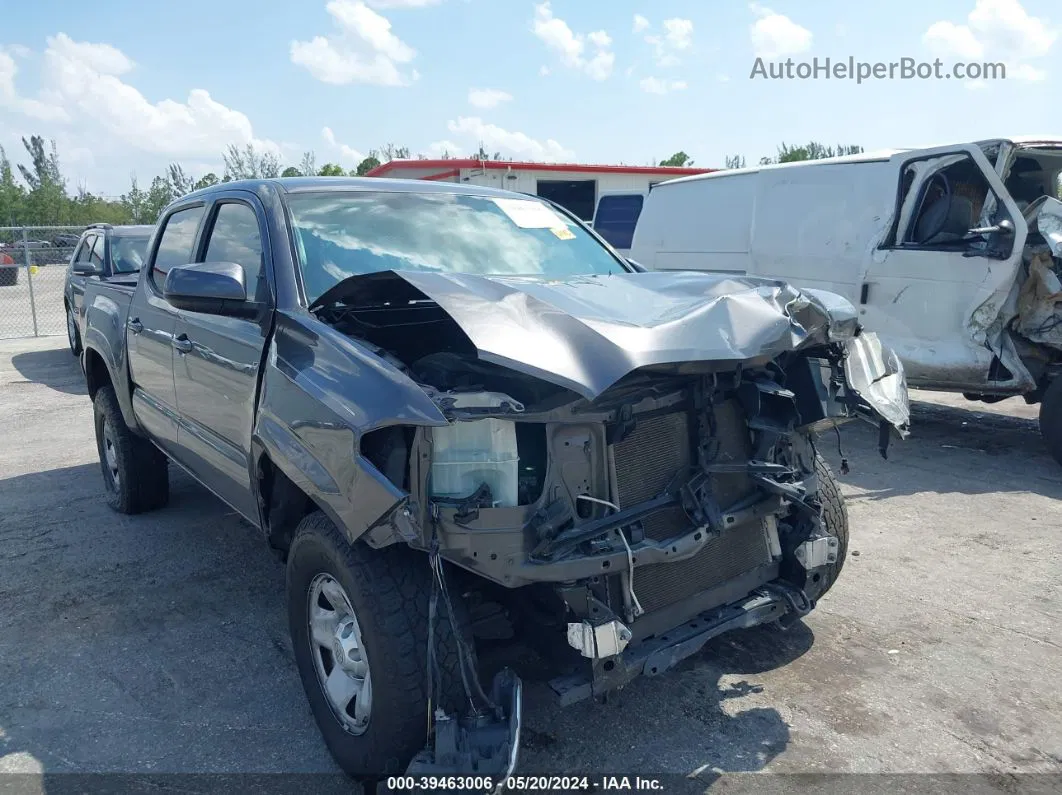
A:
(128, 87)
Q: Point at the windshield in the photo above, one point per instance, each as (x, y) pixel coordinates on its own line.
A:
(343, 234)
(128, 253)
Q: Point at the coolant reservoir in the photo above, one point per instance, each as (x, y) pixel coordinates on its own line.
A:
(468, 454)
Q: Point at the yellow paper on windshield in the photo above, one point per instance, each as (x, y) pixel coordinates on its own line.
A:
(530, 214)
(563, 233)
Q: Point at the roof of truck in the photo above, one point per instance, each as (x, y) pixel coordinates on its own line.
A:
(309, 184)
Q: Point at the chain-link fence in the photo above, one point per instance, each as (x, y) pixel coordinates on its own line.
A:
(33, 268)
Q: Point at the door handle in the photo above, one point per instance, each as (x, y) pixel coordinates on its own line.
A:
(135, 325)
(864, 292)
(182, 343)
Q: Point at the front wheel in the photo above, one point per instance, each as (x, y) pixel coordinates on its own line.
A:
(1051, 419)
(359, 630)
(834, 523)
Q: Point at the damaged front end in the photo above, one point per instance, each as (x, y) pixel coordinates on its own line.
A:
(629, 461)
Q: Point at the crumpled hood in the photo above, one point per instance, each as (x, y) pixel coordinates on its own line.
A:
(585, 333)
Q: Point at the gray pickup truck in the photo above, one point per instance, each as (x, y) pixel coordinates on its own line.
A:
(456, 411)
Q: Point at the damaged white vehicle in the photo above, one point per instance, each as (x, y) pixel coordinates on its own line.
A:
(952, 254)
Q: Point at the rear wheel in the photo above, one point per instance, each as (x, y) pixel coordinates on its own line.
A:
(1051, 418)
(359, 630)
(73, 335)
(135, 473)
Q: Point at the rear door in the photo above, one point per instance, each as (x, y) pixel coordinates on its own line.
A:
(218, 358)
(151, 323)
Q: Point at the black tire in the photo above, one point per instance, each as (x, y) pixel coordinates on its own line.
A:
(1051, 419)
(73, 334)
(136, 478)
(834, 522)
(389, 590)
(8, 276)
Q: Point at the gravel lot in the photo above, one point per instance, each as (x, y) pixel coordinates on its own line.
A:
(159, 643)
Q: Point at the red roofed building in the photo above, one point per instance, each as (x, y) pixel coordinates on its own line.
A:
(574, 186)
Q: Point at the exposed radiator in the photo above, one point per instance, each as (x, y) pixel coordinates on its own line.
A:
(646, 461)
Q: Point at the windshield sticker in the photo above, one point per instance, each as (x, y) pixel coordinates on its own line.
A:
(530, 214)
(563, 233)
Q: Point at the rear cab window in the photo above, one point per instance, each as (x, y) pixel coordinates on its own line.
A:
(176, 243)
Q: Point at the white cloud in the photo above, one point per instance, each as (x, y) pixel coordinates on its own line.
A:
(487, 97)
(997, 30)
(640, 23)
(677, 37)
(494, 138)
(402, 3)
(363, 51)
(543, 70)
(445, 148)
(81, 82)
(776, 35)
(11, 100)
(347, 153)
(572, 47)
(655, 85)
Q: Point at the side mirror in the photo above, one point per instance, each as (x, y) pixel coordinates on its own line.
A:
(215, 288)
(1004, 227)
(85, 269)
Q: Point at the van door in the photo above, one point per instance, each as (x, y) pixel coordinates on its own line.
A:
(616, 216)
(944, 265)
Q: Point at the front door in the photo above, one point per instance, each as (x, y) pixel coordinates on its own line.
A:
(934, 282)
(150, 327)
(218, 361)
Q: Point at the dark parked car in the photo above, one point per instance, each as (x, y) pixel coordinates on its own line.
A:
(102, 253)
(438, 401)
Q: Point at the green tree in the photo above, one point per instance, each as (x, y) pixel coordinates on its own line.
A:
(735, 161)
(47, 197)
(679, 159)
(207, 180)
(159, 195)
(180, 183)
(249, 163)
(291, 171)
(308, 164)
(331, 170)
(813, 150)
(135, 203)
(367, 165)
(12, 194)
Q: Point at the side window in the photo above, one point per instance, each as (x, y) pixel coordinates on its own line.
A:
(97, 255)
(235, 238)
(943, 202)
(175, 245)
(85, 249)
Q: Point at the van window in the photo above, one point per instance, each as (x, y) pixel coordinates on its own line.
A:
(950, 201)
(617, 217)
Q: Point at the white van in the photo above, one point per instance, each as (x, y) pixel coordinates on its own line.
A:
(951, 254)
(615, 217)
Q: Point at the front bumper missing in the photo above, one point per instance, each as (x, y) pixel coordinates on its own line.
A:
(656, 655)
